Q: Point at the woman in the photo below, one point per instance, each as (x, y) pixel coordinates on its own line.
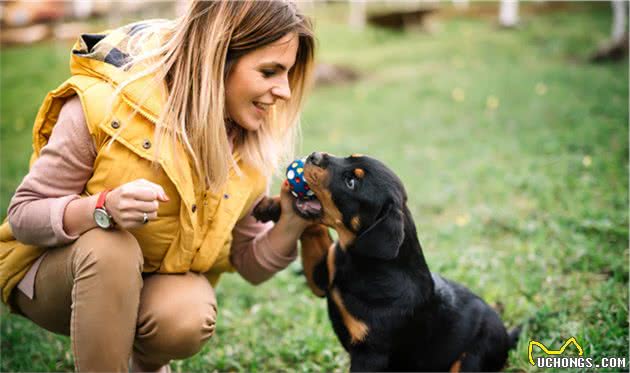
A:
(147, 163)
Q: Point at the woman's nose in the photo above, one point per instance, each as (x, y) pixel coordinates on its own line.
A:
(282, 91)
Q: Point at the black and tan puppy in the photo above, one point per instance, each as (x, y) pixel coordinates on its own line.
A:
(387, 309)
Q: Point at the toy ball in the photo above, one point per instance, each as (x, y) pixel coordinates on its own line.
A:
(297, 185)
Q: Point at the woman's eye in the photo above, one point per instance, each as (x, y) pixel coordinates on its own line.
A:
(268, 73)
(350, 183)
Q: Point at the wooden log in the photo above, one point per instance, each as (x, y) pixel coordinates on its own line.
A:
(401, 19)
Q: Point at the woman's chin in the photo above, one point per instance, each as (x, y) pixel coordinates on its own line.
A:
(252, 125)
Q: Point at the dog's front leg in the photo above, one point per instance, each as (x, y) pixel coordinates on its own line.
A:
(316, 241)
(268, 209)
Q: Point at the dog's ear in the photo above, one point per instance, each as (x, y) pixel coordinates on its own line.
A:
(382, 239)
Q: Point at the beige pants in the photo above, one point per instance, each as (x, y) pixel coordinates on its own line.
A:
(93, 290)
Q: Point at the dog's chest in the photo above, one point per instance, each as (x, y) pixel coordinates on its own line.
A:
(367, 282)
(360, 292)
(346, 303)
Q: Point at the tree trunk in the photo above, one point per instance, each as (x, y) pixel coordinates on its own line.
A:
(357, 16)
(619, 20)
(508, 13)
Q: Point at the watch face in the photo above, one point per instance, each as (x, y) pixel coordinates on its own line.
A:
(101, 217)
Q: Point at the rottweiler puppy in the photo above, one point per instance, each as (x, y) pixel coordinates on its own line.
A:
(388, 310)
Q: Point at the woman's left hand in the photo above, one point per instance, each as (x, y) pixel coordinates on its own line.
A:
(289, 218)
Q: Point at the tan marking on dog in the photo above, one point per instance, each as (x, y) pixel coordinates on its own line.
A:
(318, 182)
(358, 172)
(315, 242)
(315, 176)
(330, 264)
(345, 236)
(357, 329)
(356, 223)
(457, 365)
(356, 155)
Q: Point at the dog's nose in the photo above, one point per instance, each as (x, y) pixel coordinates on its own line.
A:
(317, 158)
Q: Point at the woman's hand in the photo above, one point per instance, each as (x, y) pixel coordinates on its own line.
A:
(290, 226)
(289, 218)
(128, 203)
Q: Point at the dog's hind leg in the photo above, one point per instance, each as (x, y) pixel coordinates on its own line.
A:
(489, 358)
(368, 361)
(470, 362)
(315, 241)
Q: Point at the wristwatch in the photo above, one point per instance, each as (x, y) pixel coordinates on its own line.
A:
(102, 218)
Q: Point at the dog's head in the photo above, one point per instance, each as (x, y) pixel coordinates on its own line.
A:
(362, 199)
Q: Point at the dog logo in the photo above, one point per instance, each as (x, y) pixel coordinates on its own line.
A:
(547, 351)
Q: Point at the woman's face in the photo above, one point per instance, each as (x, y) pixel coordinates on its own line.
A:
(258, 79)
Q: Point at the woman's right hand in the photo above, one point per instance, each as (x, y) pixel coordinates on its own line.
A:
(128, 203)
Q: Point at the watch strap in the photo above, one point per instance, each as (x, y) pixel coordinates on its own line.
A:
(100, 202)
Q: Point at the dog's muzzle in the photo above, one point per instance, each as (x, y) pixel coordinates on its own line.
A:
(318, 159)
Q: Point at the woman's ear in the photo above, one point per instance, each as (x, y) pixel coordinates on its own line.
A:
(382, 239)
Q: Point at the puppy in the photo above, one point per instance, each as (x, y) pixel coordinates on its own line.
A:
(387, 309)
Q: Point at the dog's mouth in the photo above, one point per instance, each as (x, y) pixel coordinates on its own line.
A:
(315, 175)
(310, 209)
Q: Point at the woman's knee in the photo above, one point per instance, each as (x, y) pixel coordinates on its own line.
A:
(175, 332)
(113, 253)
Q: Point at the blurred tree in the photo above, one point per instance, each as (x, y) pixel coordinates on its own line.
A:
(617, 47)
(508, 13)
(619, 29)
(357, 16)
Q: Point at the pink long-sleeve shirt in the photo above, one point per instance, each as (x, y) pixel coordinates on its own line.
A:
(60, 174)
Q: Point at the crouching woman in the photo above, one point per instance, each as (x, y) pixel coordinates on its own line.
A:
(147, 163)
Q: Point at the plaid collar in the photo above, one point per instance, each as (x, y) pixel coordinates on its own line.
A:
(104, 55)
(111, 46)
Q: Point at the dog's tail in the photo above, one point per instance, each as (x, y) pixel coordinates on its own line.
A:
(513, 336)
(515, 332)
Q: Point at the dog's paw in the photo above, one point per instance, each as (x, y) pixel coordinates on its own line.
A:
(268, 209)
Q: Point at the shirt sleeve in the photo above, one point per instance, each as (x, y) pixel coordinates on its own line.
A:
(57, 177)
(253, 254)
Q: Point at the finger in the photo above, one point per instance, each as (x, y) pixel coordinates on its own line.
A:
(161, 194)
(136, 217)
(150, 215)
(145, 194)
(286, 198)
(285, 192)
(285, 187)
(145, 206)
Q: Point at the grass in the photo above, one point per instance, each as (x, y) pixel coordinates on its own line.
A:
(514, 153)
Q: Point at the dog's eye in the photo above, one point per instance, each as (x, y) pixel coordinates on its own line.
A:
(350, 182)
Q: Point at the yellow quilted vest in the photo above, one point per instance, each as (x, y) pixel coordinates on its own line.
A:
(193, 231)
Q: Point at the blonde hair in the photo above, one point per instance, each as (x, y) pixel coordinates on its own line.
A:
(194, 57)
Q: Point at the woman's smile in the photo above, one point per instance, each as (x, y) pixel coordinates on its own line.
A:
(262, 108)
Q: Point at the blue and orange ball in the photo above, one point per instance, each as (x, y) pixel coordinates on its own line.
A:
(297, 185)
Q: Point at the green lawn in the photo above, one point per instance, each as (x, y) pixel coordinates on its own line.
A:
(514, 153)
